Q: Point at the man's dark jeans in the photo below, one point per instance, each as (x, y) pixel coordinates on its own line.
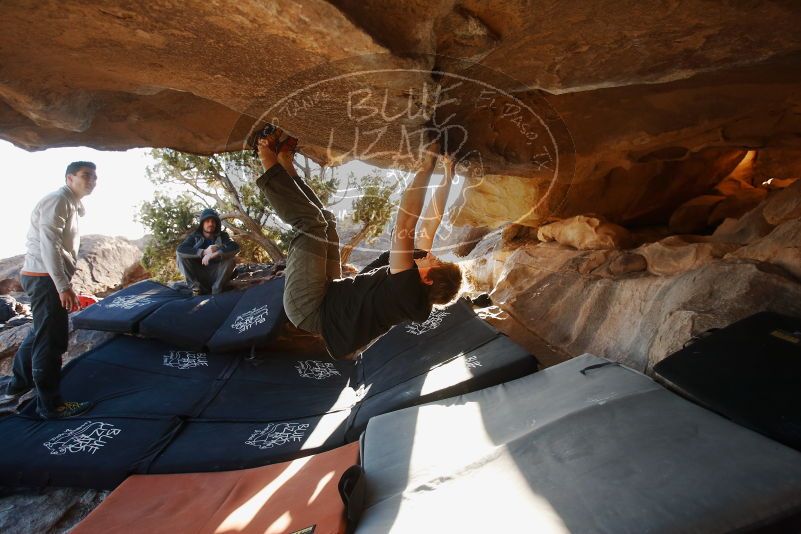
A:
(38, 359)
(210, 278)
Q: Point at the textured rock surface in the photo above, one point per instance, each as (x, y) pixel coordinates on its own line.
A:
(638, 306)
(9, 270)
(736, 205)
(783, 205)
(636, 319)
(649, 119)
(586, 233)
(746, 229)
(10, 339)
(80, 341)
(51, 510)
(781, 247)
(692, 217)
(640, 108)
(678, 254)
(104, 263)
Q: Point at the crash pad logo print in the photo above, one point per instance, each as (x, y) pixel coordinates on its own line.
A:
(472, 362)
(433, 321)
(316, 369)
(277, 434)
(129, 302)
(89, 437)
(249, 319)
(183, 359)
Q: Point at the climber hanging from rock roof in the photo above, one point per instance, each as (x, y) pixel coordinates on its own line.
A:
(432, 216)
(350, 313)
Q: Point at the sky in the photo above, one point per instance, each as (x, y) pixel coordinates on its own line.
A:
(110, 210)
(112, 207)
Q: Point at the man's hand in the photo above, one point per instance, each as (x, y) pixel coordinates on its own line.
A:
(208, 257)
(69, 300)
(401, 255)
(266, 150)
(211, 249)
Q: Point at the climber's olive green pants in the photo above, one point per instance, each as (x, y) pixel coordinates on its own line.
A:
(313, 258)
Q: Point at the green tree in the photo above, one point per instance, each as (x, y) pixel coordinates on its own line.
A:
(372, 208)
(168, 220)
(225, 182)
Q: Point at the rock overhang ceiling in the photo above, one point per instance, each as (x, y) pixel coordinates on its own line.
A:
(623, 109)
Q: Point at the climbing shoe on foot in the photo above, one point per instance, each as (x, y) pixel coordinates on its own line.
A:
(68, 409)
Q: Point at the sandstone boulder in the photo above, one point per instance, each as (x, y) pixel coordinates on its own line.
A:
(679, 254)
(628, 262)
(80, 341)
(461, 240)
(586, 233)
(643, 120)
(783, 205)
(10, 340)
(772, 184)
(781, 247)
(53, 510)
(593, 262)
(777, 166)
(485, 262)
(10, 285)
(692, 217)
(104, 264)
(736, 205)
(9, 267)
(747, 229)
(780, 205)
(635, 320)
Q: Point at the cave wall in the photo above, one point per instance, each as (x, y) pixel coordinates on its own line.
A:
(638, 104)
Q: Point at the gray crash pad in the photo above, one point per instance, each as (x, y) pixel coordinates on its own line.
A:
(585, 446)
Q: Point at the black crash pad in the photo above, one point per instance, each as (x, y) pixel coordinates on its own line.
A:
(226, 322)
(242, 409)
(87, 452)
(190, 323)
(254, 318)
(224, 445)
(158, 357)
(495, 362)
(122, 311)
(749, 372)
(455, 328)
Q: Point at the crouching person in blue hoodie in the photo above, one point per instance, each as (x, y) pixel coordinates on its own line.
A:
(206, 257)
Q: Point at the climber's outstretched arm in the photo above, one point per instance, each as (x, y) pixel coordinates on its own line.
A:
(435, 210)
(401, 255)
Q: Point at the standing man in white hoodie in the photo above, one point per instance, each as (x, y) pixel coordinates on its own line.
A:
(52, 253)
